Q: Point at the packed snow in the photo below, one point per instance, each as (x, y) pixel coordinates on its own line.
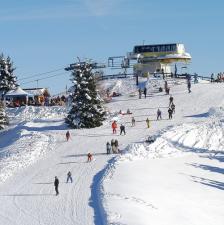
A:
(177, 179)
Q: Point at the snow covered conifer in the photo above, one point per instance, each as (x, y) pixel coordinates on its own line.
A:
(87, 110)
(3, 117)
(7, 80)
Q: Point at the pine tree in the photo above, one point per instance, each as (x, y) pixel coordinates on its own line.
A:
(87, 110)
(7, 79)
(3, 117)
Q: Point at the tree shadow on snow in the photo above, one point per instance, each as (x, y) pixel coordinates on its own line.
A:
(213, 169)
(44, 183)
(217, 155)
(201, 115)
(82, 155)
(27, 195)
(212, 183)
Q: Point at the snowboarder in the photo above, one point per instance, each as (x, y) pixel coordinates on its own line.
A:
(145, 91)
(171, 100)
(89, 157)
(114, 127)
(69, 177)
(170, 112)
(140, 93)
(56, 184)
(189, 86)
(133, 122)
(148, 122)
(67, 135)
(122, 129)
(108, 147)
(159, 114)
(173, 107)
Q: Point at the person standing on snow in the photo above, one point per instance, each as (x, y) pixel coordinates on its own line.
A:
(69, 177)
(67, 135)
(145, 91)
(89, 157)
(189, 86)
(56, 184)
(114, 127)
(148, 122)
(140, 93)
(171, 100)
(116, 146)
(170, 112)
(122, 129)
(159, 114)
(212, 77)
(108, 147)
(133, 122)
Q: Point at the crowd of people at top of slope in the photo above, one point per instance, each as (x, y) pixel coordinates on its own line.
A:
(219, 77)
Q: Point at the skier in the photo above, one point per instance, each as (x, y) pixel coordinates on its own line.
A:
(69, 177)
(189, 86)
(140, 93)
(67, 135)
(56, 184)
(89, 157)
(173, 108)
(133, 122)
(170, 111)
(148, 122)
(108, 147)
(122, 129)
(114, 127)
(145, 91)
(159, 114)
(171, 100)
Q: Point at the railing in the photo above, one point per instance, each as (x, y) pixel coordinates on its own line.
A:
(162, 75)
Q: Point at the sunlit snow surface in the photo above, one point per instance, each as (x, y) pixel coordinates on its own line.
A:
(28, 138)
(176, 180)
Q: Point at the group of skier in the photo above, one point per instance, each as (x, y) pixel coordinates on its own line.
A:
(114, 128)
(56, 181)
(112, 147)
(140, 92)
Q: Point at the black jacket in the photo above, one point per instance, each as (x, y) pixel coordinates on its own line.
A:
(56, 182)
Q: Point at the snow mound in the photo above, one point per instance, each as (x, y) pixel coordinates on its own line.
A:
(28, 147)
(28, 113)
(216, 112)
(122, 86)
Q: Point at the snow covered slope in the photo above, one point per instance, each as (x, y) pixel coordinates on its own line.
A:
(176, 180)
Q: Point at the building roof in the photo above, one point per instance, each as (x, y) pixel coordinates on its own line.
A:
(17, 92)
(37, 91)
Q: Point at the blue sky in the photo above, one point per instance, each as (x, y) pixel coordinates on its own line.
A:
(45, 35)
